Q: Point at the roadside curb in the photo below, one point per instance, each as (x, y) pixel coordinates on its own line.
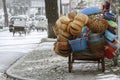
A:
(14, 77)
(48, 40)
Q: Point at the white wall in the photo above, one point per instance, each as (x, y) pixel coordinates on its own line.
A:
(37, 3)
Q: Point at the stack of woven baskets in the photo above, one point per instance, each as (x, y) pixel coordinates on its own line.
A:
(97, 25)
(96, 43)
(67, 28)
(75, 27)
(62, 47)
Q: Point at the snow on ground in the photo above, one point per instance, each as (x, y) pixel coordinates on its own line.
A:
(107, 77)
(12, 48)
(44, 64)
(10, 40)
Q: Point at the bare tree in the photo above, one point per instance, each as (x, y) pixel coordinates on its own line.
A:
(5, 12)
(51, 8)
(115, 6)
(60, 7)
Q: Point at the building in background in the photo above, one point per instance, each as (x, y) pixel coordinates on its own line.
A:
(65, 6)
(18, 7)
(39, 5)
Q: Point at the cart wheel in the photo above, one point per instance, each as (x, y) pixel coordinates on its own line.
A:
(98, 64)
(103, 64)
(70, 63)
(25, 33)
(13, 33)
(20, 33)
(115, 60)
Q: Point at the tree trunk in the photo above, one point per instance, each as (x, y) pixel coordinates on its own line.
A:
(5, 13)
(52, 15)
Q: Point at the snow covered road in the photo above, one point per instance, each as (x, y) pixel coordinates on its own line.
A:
(12, 48)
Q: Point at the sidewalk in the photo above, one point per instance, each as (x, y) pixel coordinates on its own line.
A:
(44, 64)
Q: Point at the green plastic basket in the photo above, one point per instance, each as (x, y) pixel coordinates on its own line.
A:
(112, 24)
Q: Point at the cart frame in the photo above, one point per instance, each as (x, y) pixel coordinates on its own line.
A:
(71, 60)
(19, 29)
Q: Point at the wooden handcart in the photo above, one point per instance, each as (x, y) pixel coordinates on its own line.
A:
(18, 24)
(84, 56)
(19, 29)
